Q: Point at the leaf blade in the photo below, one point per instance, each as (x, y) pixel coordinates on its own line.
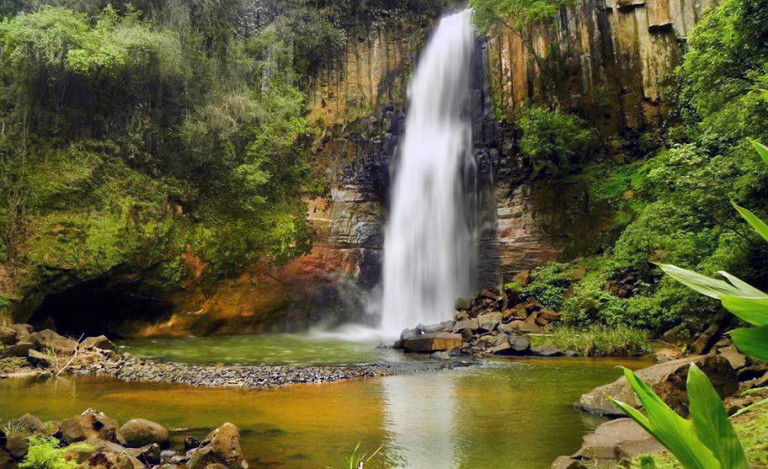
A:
(752, 341)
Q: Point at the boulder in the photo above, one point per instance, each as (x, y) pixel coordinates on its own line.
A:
(734, 357)
(6, 461)
(39, 359)
(463, 304)
(471, 324)
(548, 315)
(19, 349)
(667, 380)
(50, 340)
(17, 445)
(432, 342)
(519, 344)
(617, 440)
(8, 336)
(488, 321)
(667, 355)
(23, 331)
(190, 442)
(100, 342)
(222, 446)
(30, 424)
(546, 350)
(141, 432)
(106, 460)
(520, 326)
(90, 425)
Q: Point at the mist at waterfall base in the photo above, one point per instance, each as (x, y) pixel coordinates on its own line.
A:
(429, 245)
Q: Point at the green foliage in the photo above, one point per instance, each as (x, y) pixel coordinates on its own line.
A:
(706, 441)
(597, 340)
(548, 284)
(45, 453)
(515, 14)
(554, 141)
(356, 459)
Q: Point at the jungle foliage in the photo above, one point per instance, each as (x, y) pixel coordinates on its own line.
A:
(130, 130)
(674, 205)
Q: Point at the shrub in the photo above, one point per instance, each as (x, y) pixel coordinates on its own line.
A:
(599, 340)
(46, 453)
(554, 141)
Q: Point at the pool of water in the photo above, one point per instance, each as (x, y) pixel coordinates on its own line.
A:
(509, 413)
(265, 349)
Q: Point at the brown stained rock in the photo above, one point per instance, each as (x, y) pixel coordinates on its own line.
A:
(514, 313)
(39, 359)
(90, 425)
(734, 357)
(667, 354)
(222, 446)
(141, 432)
(706, 339)
(541, 320)
(549, 315)
(667, 380)
(432, 342)
(523, 278)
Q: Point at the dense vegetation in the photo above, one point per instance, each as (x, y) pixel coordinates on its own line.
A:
(674, 204)
(130, 131)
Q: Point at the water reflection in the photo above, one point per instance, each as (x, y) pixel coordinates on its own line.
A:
(419, 416)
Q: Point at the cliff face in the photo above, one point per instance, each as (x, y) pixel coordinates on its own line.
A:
(609, 59)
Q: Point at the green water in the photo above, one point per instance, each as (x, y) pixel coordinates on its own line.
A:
(266, 349)
(508, 414)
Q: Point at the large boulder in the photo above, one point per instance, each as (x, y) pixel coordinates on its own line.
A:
(101, 342)
(17, 445)
(141, 432)
(488, 321)
(8, 336)
(222, 446)
(470, 324)
(611, 442)
(28, 423)
(39, 359)
(667, 380)
(19, 349)
(50, 340)
(432, 342)
(90, 425)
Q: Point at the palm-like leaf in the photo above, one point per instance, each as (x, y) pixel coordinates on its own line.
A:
(707, 441)
(753, 341)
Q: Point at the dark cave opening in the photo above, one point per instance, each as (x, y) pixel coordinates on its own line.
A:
(98, 307)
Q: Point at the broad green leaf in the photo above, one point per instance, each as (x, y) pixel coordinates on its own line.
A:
(753, 220)
(762, 150)
(671, 430)
(710, 287)
(742, 285)
(751, 310)
(711, 421)
(752, 341)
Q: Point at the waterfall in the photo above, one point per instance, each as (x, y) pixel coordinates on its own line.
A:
(428, 249)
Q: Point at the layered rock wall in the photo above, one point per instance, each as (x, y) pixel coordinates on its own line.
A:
(610, 60)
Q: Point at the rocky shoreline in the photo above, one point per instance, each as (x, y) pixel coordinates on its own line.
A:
(94, 440)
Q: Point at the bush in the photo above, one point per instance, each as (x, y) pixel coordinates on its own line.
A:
(554, 141)
(45, 453)
(598, 340)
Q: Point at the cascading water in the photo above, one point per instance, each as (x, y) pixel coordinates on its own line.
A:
(428, 249)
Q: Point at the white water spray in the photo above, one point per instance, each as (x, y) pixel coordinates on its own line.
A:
(428, 249)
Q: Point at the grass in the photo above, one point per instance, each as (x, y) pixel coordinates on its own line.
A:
(752, 428)
(597, 340)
